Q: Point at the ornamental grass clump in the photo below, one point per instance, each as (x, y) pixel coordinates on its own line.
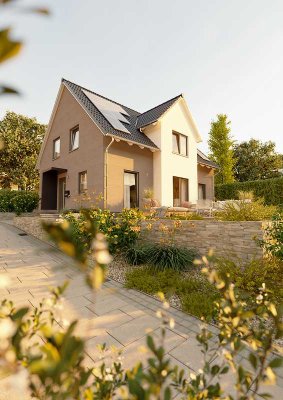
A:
(164, 256)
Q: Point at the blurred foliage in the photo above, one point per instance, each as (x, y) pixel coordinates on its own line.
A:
(10, 48)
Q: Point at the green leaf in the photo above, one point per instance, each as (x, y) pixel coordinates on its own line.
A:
(276, 363)
(8, 47)
(19, 314)
(253, 360)
(8, 90)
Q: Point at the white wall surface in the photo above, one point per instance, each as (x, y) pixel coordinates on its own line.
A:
(166, 163)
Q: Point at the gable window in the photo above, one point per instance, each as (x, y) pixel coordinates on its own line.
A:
(82, 182)
(74, 138)
(179, 144)
(56, 148)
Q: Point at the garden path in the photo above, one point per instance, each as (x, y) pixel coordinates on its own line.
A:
(115, 315)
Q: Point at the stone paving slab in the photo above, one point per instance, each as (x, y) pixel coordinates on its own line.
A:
(116, 316)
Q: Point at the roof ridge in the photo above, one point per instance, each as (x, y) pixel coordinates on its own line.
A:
(161, 104)
(97, 94)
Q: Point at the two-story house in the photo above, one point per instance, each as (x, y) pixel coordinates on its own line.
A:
(95, 144)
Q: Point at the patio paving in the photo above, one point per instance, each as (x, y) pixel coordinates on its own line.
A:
(116, 316)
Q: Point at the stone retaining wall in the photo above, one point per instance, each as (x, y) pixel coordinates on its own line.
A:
(235, 240)
(228, 239)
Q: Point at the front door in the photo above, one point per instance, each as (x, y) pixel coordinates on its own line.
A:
(61, 193)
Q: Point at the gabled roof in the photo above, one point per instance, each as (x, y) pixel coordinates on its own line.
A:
(155, 113)
(203, 159)
(134, 136)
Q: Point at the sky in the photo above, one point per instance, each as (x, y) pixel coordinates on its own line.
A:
(226, 56)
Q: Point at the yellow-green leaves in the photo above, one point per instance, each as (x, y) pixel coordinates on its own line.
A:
(8, 47)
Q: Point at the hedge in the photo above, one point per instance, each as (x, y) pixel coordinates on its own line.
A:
(271, 190)
(18, 201)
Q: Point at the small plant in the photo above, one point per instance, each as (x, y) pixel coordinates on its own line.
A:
(242, 211)
(189, 216)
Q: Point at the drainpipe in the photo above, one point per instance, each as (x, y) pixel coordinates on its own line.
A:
(106, 172)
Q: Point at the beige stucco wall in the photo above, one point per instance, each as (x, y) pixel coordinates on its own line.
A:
(206, 177)
(88, 157)
(123, 157)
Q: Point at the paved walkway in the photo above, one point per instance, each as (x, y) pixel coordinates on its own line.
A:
(115, 316)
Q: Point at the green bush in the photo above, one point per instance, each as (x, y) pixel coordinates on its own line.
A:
(273, 239)
(249, 278)
(18, 201)
(271, 190)
(244, 211)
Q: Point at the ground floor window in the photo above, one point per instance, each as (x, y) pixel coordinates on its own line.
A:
(201, 191)
(82, 182)
(180, 191)
(131, 189)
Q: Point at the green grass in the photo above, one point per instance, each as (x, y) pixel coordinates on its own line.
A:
(197, 296)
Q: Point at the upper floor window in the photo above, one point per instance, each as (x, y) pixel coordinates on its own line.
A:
(56, 148)
(82, 182)
(74, 138)
(179, 144)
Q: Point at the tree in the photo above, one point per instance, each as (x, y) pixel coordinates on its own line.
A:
(221, 148)
(256, 160)
(22, 137)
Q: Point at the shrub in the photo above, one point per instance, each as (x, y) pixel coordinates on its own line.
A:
(243, 211)
(121, 231)
(252, 276)
(271, 190)
(243, 195)
(273, 239)
(162, 256)
(18, 201)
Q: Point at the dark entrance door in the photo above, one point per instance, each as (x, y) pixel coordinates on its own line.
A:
(61, 193)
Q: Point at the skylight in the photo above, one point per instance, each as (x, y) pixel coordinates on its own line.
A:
(114, 113)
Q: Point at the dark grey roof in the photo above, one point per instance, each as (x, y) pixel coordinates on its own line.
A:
(203, 159)
(134, 136)
(154, 113)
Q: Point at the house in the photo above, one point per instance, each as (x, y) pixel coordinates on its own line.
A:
(96, 144)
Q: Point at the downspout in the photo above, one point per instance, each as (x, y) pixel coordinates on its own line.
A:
(106, 172)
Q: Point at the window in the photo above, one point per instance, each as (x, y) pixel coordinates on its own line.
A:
(74, 138)
(131, 189)
(82, 182)
(179, 144)
(180, 191)
(56, 148)
(201, 191)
